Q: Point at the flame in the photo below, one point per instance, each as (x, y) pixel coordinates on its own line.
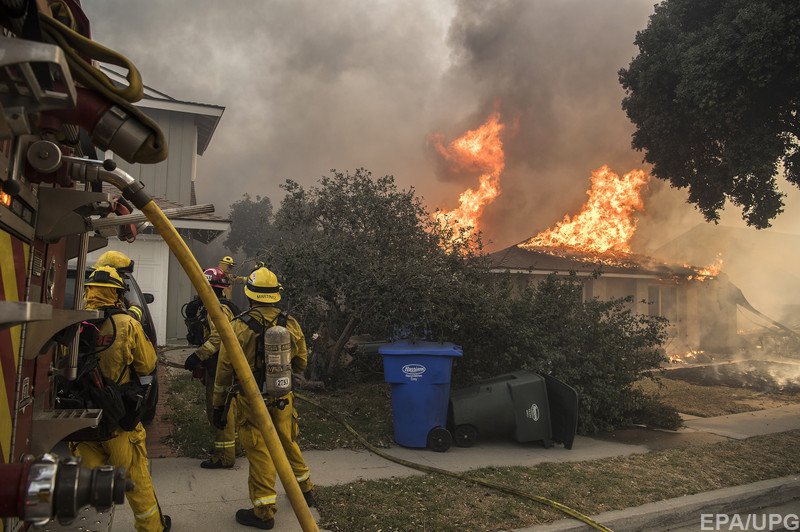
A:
(692, 356)
(606, 221)
(713, 269)
(710, 271)
(478, 150)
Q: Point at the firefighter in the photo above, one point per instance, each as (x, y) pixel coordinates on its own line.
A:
(124, 266)
(128, 347)
(117, 260)
(226, 264)
(224, 455)
(263, 293)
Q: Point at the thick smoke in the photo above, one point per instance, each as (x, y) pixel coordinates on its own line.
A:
(307, 86)
(551, 67)
(310, 86)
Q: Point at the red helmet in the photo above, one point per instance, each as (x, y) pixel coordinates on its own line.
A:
(217, 278)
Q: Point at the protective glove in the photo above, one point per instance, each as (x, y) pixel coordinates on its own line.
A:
(191, 362)
(298, 381)
(218, 418)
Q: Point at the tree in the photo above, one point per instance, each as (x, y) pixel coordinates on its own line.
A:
(599, 347)
(357, 255)
(714, 95)
(250, 225)
(355, 252)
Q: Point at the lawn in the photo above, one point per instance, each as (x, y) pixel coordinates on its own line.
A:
(435, 502)
(710, 401)
(191, 433)
(365, 406)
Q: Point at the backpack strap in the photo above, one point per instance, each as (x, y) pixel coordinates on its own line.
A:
(281, 319)
(109, 313)
(253, 323)
(231, 305)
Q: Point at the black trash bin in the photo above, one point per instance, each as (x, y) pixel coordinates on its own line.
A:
(524, 405)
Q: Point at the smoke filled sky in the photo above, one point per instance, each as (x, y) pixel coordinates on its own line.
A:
(311, 85)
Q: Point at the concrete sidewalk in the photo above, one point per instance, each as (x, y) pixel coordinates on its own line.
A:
(747, 424)
(199, 499)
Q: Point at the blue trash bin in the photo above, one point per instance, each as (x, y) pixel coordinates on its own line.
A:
(419, 373)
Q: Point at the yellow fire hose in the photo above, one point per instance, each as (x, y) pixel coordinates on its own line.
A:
(461, 476)
(245, 376)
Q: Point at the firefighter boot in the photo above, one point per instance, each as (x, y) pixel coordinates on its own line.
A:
(248, 517)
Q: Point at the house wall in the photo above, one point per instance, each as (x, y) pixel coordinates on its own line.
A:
(179, 292)
(170, 179)
(717, 311)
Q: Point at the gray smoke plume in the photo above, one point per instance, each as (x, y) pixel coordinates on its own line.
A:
(310, 86)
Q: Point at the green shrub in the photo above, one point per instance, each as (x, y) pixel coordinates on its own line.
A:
(598, 347)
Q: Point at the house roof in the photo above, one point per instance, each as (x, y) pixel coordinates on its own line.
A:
(168, 204)
(202, 227)
(207, 116)
(562, 260)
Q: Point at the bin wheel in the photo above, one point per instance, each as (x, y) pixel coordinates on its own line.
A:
(547, 444)
(465, 435)
(439, 439)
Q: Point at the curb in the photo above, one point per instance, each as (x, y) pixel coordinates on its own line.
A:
(686, 510)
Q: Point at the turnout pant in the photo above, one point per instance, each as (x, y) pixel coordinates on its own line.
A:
(225, 439)
(261, 480)
(127, 449)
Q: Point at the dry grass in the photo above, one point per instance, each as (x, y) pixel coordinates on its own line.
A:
(191, 434)
(438, 503)
(710, 401)
(367, 407)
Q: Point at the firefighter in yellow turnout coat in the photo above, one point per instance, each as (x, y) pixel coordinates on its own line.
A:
(263, 292)
(226, 264)
(224, 455)
(128, 347)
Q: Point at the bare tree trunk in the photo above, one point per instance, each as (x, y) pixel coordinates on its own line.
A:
(336, 352)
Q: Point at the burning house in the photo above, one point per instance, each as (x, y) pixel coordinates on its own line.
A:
(701, 308)
(699, 303)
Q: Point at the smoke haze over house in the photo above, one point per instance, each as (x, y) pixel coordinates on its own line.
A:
(310, 86)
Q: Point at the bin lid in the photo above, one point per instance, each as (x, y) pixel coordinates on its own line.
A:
(408, 347)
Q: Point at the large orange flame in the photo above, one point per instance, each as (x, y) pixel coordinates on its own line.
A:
(606, 221)
(478, 151)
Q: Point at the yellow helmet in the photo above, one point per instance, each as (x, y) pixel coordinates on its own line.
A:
(227, 260)
(263, 286)
(105, 276)
(117, 260)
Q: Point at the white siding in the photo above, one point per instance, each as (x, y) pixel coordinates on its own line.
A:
(151, 270)
(170, 179)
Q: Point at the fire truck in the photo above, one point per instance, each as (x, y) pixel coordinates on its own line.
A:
(57, 113)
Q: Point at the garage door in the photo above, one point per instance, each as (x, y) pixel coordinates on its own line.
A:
(151, 269)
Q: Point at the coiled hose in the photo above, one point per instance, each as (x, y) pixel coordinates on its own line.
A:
(75, 46)
(430, 469)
